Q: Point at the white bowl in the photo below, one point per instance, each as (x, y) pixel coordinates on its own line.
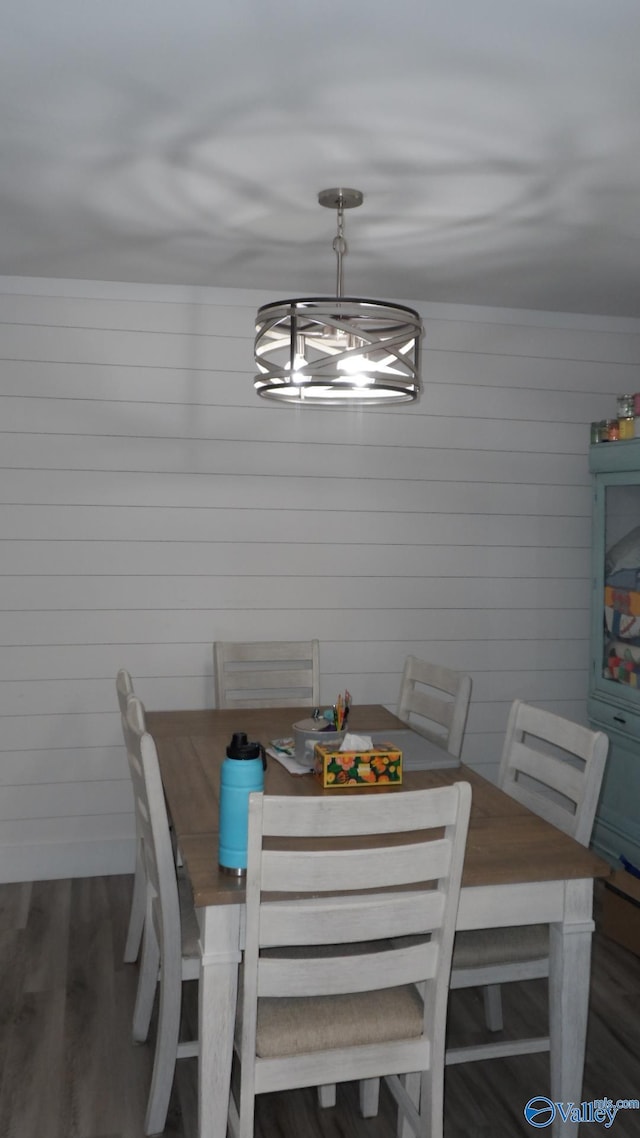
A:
(306, 732)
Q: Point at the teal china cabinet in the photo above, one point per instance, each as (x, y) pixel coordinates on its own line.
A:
(614, 683)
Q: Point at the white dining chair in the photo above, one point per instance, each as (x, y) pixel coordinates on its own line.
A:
(277, 673)
(170, 938)
(124, 689)
(439, 698)
(555, 768)
(317, 1005)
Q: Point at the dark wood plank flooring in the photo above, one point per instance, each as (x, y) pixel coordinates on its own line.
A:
(68, 1068)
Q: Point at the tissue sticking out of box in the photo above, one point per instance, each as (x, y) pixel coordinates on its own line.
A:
(356, 743)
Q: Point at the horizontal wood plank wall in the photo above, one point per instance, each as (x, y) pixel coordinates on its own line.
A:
(151, 504)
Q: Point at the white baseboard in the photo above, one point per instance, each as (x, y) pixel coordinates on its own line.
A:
(49, 860)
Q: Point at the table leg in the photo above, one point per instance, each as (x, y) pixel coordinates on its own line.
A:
(569, 974)
(220, 956)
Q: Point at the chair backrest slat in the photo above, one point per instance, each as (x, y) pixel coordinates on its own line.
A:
(341, 920)
(397, 865)
(339, 975)
(373, 816)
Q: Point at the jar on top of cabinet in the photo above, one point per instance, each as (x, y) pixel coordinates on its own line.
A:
(626, 406)
(613, 430)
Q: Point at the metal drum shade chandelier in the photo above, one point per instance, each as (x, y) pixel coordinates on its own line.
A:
(338, 351)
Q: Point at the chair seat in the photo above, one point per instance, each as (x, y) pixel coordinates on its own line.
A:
(270, 1027)
(477, 947)
(323, 1023)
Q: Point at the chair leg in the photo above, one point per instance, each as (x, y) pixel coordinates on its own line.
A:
(247, 1109)
(147, 982)
(493, 1007)
(327, 1095)
(138, 904)
(164, 1061)
(412, 1083)
(369, 1095)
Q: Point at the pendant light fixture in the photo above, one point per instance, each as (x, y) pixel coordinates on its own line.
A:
(338, 351)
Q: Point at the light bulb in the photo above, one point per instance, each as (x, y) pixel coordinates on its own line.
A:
(355, 367)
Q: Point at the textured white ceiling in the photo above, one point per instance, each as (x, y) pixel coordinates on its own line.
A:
(497, 143)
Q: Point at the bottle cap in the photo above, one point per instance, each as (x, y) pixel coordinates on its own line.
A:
(240, 748)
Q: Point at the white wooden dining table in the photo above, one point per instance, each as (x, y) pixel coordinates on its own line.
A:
(518, 870)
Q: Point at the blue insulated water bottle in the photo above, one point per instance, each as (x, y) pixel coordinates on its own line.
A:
(242, 772)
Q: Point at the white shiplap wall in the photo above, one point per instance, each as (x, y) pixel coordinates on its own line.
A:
(151, 504)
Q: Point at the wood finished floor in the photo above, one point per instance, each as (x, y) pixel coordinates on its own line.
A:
(68, 1068)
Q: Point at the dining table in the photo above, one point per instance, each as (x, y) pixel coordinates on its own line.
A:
(518, 870)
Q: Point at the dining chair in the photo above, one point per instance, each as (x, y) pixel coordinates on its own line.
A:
(278, 673)
(555, 768)
(325, 996)
(438, 695)
(170, 938)
(124, 689)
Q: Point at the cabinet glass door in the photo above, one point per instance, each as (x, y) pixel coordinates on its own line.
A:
(620, 662)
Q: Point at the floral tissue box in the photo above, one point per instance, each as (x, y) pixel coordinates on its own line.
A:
(338, 769)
